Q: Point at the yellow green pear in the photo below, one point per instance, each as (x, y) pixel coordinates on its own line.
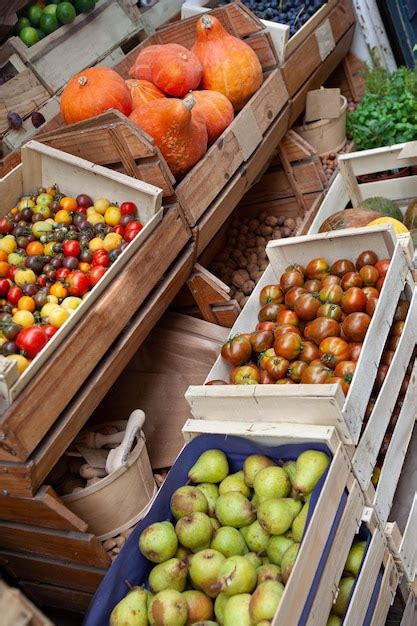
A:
(310, 467)
(132, 610)
(211, 467)
(299, 523)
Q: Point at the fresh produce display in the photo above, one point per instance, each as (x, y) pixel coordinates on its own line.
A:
(311, 325)
(53, 250)
(371, 212)
(216, 110)
(142, 92)
(40, 18)
(228, 552)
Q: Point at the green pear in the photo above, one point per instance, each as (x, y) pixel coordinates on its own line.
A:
(168, 608)
(334, 620)
(264, 622)
(252, 465)
(265, 600)
(290, 467)
(194, 531)
(215, 523)
(235, 482)
(205, 623)
(275, 516)
(200, 607)
(299, 523)
(341, 604)
(265, 560)
(211, 492)
(219, 606)
(255, 501)
(376, 475)
(204, 571)
(254, 559)
(271, 482)
(294, 506)
(267, 572)
(237, 575)
(256, 538)
(171, 574)
(132, 610)
(183, 553)
(277, 546)
(287, 562)
(310, 467)
(355, 558)
(233, 509)
(228, 541)
(211, 467)
(186, 500)
(236, 612)
(244, 531)
(158, 542)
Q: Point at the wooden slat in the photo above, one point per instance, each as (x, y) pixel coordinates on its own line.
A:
(386, 594)
(59, 597)
(17, 610)
(22, 94)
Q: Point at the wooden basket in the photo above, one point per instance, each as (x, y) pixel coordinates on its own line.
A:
(328, 135)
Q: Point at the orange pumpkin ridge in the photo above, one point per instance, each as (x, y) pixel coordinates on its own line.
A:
(142, 92)
(216, 110)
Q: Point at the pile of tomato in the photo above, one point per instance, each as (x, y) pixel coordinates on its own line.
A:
(53, 250)
(311, 325)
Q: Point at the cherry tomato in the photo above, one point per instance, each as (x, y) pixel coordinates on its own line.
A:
(368, 257)
(369, 275)
(58, 290)
(306, 306)
(284, 329)
(266, 326)
(14, 294)
(129, 235)
(371, 306)
(289, 346)
(296, 266)
(309, 353)
(355, 326)
(397, 328)
(382, 266)
(31, 340)
(12, 271)
(277, 367)
(342, 267)
(62, 273)
(264, 356)
(317, 268)
(321, 328)
(351, 279)
(344, 385)
(49, 330)
(81, 209)
(128, 208)
(96, 273)
(355, 349)
(379, 283)
(269, 312)
(265, 378)
(120, 230)
(289, 279)
(237, 350)
(401, 310)
(271, 294)
(345, 370)
(288, 317)
(4, 287)
(261, 340)
(292, 295)
(331, 294)
(100, 257)
(353, 300)
(296, 370)
(285, 381)
(333, 350)
(245, 375)
(316, 374)
(134, 225)
(71, 248)
(370, 292)
(78, 283)
(329, 280)
(333, 311)
(314, 285)
(6, 225)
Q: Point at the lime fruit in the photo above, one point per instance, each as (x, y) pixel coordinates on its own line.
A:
(22, 23)
(84, 6)
(29, 35)
(40, 33)
(65, 13)
(50, 9)
(48, 23)
(34, 13)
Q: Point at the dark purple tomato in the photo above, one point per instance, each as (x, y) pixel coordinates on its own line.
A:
(84, 200)
(9, 347)
(56, 262)
(35, 263)
(125, 219)
(26, 214)
(71, 262)
(30, 290)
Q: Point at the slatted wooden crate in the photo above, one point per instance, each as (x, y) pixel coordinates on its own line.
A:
(307, 404)
(17, 610)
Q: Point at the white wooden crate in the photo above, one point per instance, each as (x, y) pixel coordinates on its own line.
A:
(44, 166)
(310, 404)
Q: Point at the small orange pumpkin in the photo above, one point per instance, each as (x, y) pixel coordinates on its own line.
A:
(92, 92)
(216, 110)
(142, 65)
(180, 136)
(229, 64)
(142, 92)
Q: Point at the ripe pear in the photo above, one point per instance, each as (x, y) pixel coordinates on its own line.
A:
(341, 604)
(215, 523)
(158, 542)
(186, 500)
(194, 531)
(256, 537)
(233, 509)
(267, 572)
(205, 623)
(287, 562)
(228, 541)
(211, 492)
(271, 482)
(255, 501)
(334, 620)
(235, 482)
(211, 467)
(265, 560)
(290, 468)
(294, 506)
(277, 546)
(254, 559)
(236, 612)
(264, 622)
(204, 571)
(275, 516)
(252, 465)
(355, 558)
(310, 467)
(171, 574)
(132, 610)
(299, 523)
(244, 531)
(219, 606)
(200, 607)
(183, 553)
(237, 575)
(168, 608)
(265, 600)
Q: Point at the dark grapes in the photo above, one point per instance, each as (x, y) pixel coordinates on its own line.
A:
(294, 13)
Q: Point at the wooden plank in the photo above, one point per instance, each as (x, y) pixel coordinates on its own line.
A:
(60, 544)
(45, 508)
(410, 613)
(22, 94)
(13, 139)
(17, 610)
(386, 594)
(59, 597)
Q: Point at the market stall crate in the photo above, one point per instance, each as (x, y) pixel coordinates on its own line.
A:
(16, 609)
(318, 404)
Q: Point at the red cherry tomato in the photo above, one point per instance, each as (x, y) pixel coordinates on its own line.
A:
(49, 330)
(12, 271)
(78, 284)
(96, 273)
(71, 248)
(81, 209)
(4, 287)
(100, 257)
(62, 273)
(14, 294)
(120, 230)
(128, 208)
(31, 340)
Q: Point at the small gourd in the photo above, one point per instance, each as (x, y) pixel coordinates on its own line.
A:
(180, 135)
(229, 64)
(142, 92)
(216, 110)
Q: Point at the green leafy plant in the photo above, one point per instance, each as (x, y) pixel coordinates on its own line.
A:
(387, 113)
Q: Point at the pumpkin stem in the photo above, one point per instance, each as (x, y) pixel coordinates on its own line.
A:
(83, 80)
(189, 102)
(207, 21)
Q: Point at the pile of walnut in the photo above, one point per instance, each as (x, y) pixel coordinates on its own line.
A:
(243, 260)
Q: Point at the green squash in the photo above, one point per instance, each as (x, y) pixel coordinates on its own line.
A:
(384, 206)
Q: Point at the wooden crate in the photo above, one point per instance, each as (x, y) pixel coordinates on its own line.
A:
(17, 610)
(318, 404)
(340, 504)
(109, 24)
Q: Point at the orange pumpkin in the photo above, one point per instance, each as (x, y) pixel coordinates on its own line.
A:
(142, 92)
(216, 110)
(229, 64)
(92, 92)
(180, 135)
(142, 66)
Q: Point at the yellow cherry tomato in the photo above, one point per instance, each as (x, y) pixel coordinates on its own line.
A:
(90, 210)
(24, 318)
(67, 203)
(112, 241)
(14, 258)
(84, 267)
(8, 244)
(58, 316)
(52, 298)
(63, 217)
(44, 198)
(26, 203)
(52, 191)
(42, 209)
(101, 205)
(112, 216)
(48, 249)
(96, 244)
(14, 310)
(71, 303)
(26, 303)
(47, 308)
(58, 290)
(95, 218)
(2, 339)
(22, 362)
(14, 211)
(41, 228)
(24, 277)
